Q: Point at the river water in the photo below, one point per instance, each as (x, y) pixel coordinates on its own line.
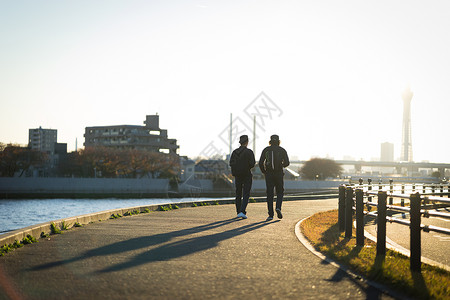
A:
(16, 214)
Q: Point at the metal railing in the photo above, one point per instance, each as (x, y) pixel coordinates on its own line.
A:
(354, 198)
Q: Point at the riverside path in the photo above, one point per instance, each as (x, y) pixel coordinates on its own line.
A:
(190, 253)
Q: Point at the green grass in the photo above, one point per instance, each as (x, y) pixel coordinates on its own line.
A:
(54, 229)
(64, 225)
(392, 270)
(131, 213)
(25, 241)
(29, 240)
(165, 207)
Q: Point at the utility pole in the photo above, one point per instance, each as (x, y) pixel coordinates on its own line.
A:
(231, 134)
(254, 133)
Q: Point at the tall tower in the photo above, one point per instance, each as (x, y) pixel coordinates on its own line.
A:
(406, 154)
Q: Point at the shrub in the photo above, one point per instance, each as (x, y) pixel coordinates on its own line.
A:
(54, 229)
(28, 240)
(64, 225)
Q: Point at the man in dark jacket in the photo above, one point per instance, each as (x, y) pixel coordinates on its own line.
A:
(242, 160)
(273, 159)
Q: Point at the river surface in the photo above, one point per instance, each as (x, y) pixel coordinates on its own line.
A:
(16, 214)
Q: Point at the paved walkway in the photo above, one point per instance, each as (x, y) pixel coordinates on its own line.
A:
(190, 253)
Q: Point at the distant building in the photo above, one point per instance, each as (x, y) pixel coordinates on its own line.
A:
(187, 168)
(149, 137)
(212, 168)
(43, 140)
(60, 153)
(387, 152)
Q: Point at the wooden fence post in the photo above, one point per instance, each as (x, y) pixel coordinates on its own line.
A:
(391, 189)
(415, 232)
(381, 223)
(402, 201)
(348, 212)
(359, 217)
(341, 208)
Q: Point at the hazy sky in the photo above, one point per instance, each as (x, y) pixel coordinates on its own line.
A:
(333, 72)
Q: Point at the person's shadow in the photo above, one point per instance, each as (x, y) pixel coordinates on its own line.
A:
(184, 247)
(164, 252)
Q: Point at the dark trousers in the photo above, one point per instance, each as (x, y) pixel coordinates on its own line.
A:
(243, 187)
(274, 180)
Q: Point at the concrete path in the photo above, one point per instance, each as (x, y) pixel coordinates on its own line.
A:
(190, 253)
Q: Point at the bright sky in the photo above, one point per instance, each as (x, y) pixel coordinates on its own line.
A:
(334, 71)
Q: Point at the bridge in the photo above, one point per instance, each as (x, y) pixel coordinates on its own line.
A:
(392, 164)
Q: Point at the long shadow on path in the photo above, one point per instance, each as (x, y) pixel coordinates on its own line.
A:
(184, 247)
(141, 243)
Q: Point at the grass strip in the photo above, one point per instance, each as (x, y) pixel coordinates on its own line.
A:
(393, 270)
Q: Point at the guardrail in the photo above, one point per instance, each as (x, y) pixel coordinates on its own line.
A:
(353, 199)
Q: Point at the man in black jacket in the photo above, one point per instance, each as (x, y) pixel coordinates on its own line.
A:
(273, 159)
(242, 160)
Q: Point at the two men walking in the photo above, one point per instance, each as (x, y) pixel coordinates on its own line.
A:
(273, 159)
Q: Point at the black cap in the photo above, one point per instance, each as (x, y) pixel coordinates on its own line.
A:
(274, 138)
(243, 139)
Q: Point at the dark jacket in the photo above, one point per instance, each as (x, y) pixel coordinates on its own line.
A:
(273, 159)
(241, 161)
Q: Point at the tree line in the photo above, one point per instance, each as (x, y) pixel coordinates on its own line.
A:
(90, 162)
(15, 159)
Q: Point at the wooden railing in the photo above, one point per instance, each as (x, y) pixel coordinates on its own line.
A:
(358, 200)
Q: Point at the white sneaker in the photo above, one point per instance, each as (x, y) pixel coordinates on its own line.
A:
(241, 215)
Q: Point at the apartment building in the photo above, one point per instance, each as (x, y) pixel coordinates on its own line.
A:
(43, 140)
(148, 137)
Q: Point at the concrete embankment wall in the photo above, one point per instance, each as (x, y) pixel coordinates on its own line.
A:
(43, 187)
